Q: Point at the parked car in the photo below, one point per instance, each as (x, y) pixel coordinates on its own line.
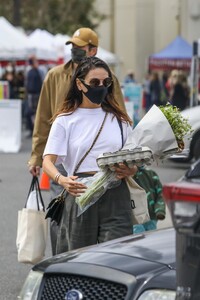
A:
(193, 173)
(183, 198)
(134, 267)
(191, 141)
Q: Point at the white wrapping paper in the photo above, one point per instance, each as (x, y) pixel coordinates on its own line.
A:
(155, 132)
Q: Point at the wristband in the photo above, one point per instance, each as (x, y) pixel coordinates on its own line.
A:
(57, 177)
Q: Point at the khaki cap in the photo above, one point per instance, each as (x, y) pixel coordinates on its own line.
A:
(84, 36)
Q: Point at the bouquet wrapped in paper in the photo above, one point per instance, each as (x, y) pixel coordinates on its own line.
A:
(159, 133)
(162, 130)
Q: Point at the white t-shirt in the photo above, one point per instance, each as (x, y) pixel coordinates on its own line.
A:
(71, 136)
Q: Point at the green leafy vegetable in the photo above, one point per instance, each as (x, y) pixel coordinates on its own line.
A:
(96, 188)
(178, 123)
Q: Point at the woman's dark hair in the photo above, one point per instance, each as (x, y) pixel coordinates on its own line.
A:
(74, 95)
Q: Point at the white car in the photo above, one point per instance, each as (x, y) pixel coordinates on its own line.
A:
(191, 141)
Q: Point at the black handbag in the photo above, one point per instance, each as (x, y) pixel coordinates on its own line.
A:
(55, 207)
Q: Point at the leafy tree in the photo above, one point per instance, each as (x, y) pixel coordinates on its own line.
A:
(56, 16)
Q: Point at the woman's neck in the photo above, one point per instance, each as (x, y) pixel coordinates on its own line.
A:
(92, 105)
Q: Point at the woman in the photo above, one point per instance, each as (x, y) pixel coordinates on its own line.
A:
(89, 106)
(155, 89)
(179, 94)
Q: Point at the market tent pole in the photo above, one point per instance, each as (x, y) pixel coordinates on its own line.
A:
(194, 76)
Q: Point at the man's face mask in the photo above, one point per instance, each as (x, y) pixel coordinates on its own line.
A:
(77, 54)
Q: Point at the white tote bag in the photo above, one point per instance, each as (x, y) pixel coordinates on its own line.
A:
(32, 227)
(139, 202)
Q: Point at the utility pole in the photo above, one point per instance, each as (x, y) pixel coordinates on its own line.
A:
(16, 12)
(112, 25)
(178, 18)
(194, 74)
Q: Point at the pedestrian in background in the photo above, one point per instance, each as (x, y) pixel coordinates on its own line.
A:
(89, 113)
(10, 77)
(155, 89)
(164, 89)
(55, 87)
(147, 93)
(20, 88)
(130, 77)
(179, 90)
(150, 182)
(33, 84)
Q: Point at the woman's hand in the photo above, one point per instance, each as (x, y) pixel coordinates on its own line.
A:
(123, 170)
(73, 187)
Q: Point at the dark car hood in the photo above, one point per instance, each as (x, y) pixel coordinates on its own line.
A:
(157, 248)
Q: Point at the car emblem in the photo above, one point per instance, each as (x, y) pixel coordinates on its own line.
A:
(74, 295)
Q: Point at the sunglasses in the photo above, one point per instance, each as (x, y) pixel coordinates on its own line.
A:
(95, 82)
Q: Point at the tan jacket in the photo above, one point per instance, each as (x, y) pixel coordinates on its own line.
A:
(54, 90)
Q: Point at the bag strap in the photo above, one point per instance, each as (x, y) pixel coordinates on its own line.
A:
(35, 186)
(31, 186)
(95, 139)
(121, 129)
(38, 193)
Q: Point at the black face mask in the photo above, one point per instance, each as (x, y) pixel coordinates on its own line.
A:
(96, 94)
(77, 55)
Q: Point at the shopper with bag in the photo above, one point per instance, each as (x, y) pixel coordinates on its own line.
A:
(86, 126)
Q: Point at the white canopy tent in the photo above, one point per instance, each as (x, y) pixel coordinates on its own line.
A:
(16, 45)
(107, 56)
(41, 44)
(59, 44)
(13, 42)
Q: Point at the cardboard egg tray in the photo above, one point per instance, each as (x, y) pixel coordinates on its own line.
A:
(138, 156)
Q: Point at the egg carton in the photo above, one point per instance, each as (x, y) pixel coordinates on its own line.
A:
(138, 156)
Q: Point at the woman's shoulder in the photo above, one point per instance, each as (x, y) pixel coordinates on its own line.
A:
(68, 116)
(64, 114)
(62, 118)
